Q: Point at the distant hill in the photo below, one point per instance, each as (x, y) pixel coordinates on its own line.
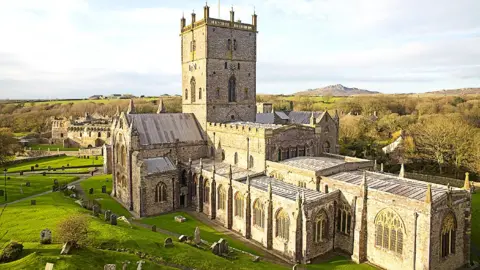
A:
(336, 90)
(460, 91)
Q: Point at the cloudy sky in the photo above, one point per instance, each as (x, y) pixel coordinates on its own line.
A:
(76, 48)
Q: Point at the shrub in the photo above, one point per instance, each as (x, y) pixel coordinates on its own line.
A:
(73, 230)
(11, 252)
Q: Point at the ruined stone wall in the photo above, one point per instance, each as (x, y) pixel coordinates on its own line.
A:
(328, 133)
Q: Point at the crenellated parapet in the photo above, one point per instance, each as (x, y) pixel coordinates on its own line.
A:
(244, 128)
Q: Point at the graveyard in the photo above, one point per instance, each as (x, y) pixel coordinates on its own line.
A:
(55, 163)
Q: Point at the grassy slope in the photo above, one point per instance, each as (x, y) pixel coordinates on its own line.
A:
(168, 223)
(476, 225)
(24, 222)
(38, 184)
(55, 162)
(106, 202)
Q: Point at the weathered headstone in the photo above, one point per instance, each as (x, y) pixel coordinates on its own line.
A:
(110, 267)
(113, 219)
(90, 191)
(49, 266)
(49, 168)
(46, 237)
(27, 184)
(154, 228)
(197, 240)
(124, 219)
(215, 247)
(223, 246)
(55, 181)
(104, 189)
(96, 210)
(182, 238)
(33, 202)
(63, 168)
(256, 259)
(21, 172)
(32, 168)
(2, 193)
(44, 173)
(168, 242)
(108, 213)
(66, 248)
(125, 265)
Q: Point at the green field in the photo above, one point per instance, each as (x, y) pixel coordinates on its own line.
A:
(38, 184)
(52, 147)
(476, 226)
(55, 162)
(105, 200)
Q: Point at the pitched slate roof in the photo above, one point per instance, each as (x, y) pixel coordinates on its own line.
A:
(298, 117)
(392, 184)
(160, 164)
(312, 163)
(166, 127)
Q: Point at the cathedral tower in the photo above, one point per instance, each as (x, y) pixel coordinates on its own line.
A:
(219, 68)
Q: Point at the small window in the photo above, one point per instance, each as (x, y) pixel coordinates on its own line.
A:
(200, 93)
(232, 117)
(238, 65)
(229, 45)
(246, 93)
(99, 134)
(61, 135)
(235, 44)
(81, 134)
(248, 74)
(235, 158)
(226, 65)
(186, 94)
(218, 92)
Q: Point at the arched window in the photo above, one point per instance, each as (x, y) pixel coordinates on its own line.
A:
(222, 198)
(235, 47)
(448, 235)
(258, 214)
(81, 134)
(282, 224)
(108, 134)
(89, 134)
(301, 151)
(235, 158)
(192, 88)
(231, 89)
(123, 155)
(239, 208)
(245, 96)
(344, 219)
(320, 231)
(238, 65)
(226, 65)
(325, 190)
(326, 147)
(279, 155)
(223, 155)
(229, 44)
(206, 192)
(389, 231)
(250, 162)
(194, 185)
(61, 135)
(200, 93)
(186, 94)
(161, 192)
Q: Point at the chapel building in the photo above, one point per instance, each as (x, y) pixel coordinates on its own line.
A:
(276, 179)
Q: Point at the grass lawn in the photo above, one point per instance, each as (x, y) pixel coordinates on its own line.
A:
(105, 200)
(23, 222)
(55, 162)
(339, 262)
(38, 184)
(52, 147)
(476, 226)
(207, 233)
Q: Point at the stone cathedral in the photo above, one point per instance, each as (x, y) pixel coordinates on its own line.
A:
(276, 177)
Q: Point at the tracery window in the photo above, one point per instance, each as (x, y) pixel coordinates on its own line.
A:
(194, 186)
(222, 198)
(293, 152)
(282, 224)
(161, 192)
(389, 230)
(448, 235)
(344, 219)
(258, 214)
(239, 206)
(206, 192)
(231, 89)
(321, 228)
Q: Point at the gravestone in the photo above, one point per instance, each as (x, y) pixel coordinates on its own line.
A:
(96, 210)
(96, 157)
(21, 172)
(21, 190)
(125, 265)
(36, 165)
(168, 242)
(180, 219)
(46, 237)
(49, 266)
(104, 189)
(49, 168)
(223, 246)
(92, 172)
(215, 247)
(197, 240)
(55, 181)
(154, 228)
(140, 263)
(33, 202)
(44, 173)
(113, 219)
(2, 193)
(110, 267)
(63, 168)
(27, 184)
(32, 168)
(182, 238)
(90, 191)
(108, 213)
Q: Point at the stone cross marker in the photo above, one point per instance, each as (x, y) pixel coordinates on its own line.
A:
(46, 236)
(215, 248)
(197, 240)
(108, 213)
(113, 219)
(27, 184)
(110, 267)
(154, 228)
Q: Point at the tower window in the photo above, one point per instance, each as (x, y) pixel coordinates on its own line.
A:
(218, 92)
(238, 65)
(229, 45)
(231, 89)
(200, 93)
(226, 65)
(235, 44)
(186, 94)
(192, 88)
(246, 93)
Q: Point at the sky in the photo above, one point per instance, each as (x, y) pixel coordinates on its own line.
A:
(77, 48)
